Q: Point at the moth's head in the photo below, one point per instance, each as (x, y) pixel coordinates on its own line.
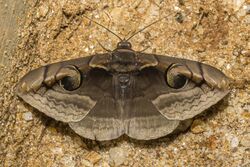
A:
(124, 44)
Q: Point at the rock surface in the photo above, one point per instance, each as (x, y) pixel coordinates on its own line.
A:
(117, 156)
(213, 32)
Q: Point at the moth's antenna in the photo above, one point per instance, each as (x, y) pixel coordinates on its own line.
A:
(103, 27)
(137, 32)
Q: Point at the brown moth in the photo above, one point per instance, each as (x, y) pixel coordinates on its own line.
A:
(103, 96)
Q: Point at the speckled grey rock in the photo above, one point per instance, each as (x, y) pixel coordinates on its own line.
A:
(117, 156)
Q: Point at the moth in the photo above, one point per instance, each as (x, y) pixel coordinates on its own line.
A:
(104, 96)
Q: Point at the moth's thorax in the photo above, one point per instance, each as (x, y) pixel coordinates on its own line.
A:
(123, 59)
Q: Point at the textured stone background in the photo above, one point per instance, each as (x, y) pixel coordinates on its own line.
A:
(213, 32)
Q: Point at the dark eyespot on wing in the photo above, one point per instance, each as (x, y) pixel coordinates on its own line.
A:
(69, 78)
(176, 76)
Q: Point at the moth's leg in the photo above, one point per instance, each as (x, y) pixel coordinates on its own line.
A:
(107, 50)
(143, 50)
